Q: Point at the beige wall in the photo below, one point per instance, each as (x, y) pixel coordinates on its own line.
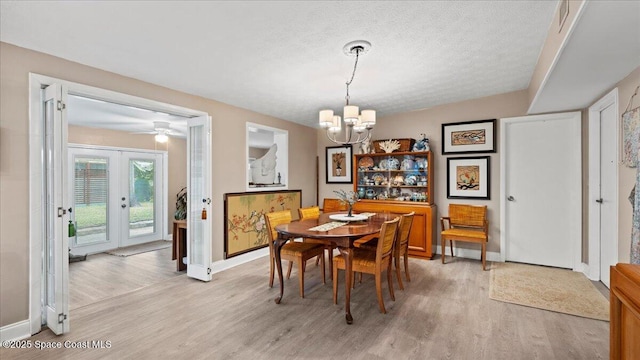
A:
(551, 46)
(626, 176)
(429, 121)
(228, 152)
(176, 152)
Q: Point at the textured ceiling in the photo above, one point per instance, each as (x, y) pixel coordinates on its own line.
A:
(285, 59)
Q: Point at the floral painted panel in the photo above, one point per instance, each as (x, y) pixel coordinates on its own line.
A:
(245, 228)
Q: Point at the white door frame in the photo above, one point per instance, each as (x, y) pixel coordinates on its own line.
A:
(592, 270)
(576, 245)
(36, 83)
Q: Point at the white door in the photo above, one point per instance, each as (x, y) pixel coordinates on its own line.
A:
(603, 191)
(94, 187)
(199, 198)
(541, 178)
(140, 199)
(56, 248)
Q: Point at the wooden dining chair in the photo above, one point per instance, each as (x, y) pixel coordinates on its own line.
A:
(372, 262)
(401, 248)
(466, 223)
(313, 212)
(299, 252)
(333, 205)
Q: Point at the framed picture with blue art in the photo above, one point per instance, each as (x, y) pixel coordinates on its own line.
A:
(339, 167)
(468, 178)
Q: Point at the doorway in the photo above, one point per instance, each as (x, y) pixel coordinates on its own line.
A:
(541, 190)
(116, 197)
(49, 198)
(603, 187)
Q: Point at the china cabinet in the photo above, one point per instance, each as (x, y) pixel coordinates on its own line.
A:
(399, 182)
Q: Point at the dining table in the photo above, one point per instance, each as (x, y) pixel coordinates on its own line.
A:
(343, 234)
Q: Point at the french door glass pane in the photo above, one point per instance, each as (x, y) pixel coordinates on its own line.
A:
(196, 194)
(91, 193)
(141, 197)
(50, 206)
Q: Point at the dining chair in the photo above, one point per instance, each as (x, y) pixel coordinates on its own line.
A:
(401, 248)
(333, 205)
(313, 212)
(466, 223)
(371, 262)
(296, 251)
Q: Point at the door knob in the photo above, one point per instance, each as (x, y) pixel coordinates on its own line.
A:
(599, 201)
(123, 206)
(511, 198)
(206, 201)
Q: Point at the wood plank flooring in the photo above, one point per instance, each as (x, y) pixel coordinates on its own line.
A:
(443, 313)
(103, 276)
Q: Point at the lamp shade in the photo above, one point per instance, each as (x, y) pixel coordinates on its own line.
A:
(350, 114)
(336, 125)
(368, 118)
(325, 118)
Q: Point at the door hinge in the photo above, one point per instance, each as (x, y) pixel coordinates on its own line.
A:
(61, 105)
(61, 212)
(208, 271)
(61, 318)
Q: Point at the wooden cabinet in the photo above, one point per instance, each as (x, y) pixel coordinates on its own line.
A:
(399, 183)
(625, 311)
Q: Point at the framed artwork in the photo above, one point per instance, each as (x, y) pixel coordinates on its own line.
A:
(468, 178)
(630, 136)
(469, 137)
(244, 224)
(339, 167)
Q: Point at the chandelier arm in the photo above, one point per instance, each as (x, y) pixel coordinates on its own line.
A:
(348, 138)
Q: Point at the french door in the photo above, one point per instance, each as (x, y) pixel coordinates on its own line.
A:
(117, 198)
(56, 257)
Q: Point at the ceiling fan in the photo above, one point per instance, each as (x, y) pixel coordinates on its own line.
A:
(162, 130)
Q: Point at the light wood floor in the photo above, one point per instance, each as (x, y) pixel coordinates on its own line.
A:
(104, 276)
(444, 313)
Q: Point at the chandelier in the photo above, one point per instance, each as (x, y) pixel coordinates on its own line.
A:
(358, 124)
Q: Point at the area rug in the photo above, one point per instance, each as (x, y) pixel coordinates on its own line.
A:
(546, 288)
(139, 249)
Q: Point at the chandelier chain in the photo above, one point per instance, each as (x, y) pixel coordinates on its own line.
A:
(353, 75)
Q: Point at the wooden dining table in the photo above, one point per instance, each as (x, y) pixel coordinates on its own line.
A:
(343, 237)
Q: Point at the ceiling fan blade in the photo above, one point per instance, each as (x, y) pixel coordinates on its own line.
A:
(145, 133)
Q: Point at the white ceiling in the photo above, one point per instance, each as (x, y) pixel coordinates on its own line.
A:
(101, 114)
(285, 59)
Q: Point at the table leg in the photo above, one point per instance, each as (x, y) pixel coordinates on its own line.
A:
(278, 248)
(347, 254)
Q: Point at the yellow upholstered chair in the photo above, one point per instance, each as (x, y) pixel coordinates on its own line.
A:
(313, 212)
(372, 262)
(466, 223)
(299, 252)
(333, 205)
(401, 247)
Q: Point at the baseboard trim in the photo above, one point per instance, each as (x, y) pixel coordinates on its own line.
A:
(470, 253)
(16, 331)
(221, 265)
